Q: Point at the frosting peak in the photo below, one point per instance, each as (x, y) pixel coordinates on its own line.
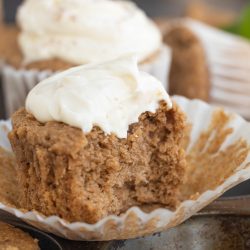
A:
(83, 31)
(111, 95)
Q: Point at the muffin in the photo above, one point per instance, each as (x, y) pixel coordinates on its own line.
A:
(228, 60)
(96, 140)
(56, 35)
(189, 74)
(12, 238)
(8, 183)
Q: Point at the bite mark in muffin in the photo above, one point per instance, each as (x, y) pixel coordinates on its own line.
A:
(85, 177)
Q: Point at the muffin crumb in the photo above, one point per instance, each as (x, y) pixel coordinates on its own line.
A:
(85, 177)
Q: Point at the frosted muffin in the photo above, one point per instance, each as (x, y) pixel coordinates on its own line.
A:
(12, 238)
(96, 140)
(56, 35)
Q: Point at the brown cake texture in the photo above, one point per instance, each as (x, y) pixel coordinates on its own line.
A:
(85, 177)
(189, 74)
(12, 55)
(8, 182)
(12, 238)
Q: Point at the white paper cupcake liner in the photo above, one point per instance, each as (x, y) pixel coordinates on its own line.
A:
(160, 67)
(234, 98)
(135, 222)
(228, 61)
(17, 83)
(232, 85)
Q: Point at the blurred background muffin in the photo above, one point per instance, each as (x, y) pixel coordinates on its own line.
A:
(223, 35)
(12, 238)
(230, 15)
(208, 75)
(54, 35)
(189, 73)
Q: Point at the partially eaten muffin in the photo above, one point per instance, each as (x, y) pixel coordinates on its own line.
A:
(96, 140)
(12, 238)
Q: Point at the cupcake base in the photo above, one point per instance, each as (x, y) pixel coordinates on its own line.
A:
(85, 177)
(217, 140)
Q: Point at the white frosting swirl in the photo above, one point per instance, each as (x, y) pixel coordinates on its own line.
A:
(111, 95)
(83, 31)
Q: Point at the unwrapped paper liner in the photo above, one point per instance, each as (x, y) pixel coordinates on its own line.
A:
(135, 222)
(17, 83)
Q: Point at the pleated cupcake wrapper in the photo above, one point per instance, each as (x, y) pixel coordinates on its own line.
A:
(17, 83)
(218, 159)
(160, 66)
(242, 87)
(228, 54)
(229, 62)
(235, 98)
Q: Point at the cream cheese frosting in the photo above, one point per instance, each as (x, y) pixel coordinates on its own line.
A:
(84, 31)
(111, 95)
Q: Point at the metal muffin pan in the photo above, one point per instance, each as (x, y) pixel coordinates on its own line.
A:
(225, 224)
(199, 233)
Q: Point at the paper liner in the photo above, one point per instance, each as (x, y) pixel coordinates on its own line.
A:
(17, 83)
(232, 85)
(229, 63)
(160, 66)
(221, 44)
(218, 157)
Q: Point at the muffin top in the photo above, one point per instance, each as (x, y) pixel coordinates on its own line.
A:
(12, 238)
(111, 95)
(83, 31)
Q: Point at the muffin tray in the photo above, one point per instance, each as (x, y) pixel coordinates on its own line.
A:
(223, 224)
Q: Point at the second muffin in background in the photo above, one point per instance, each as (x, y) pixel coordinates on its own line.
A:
(56, 35)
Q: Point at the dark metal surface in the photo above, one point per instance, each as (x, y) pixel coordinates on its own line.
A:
(224, 224)
(239, 205)
(198, 233)
(241, 189)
